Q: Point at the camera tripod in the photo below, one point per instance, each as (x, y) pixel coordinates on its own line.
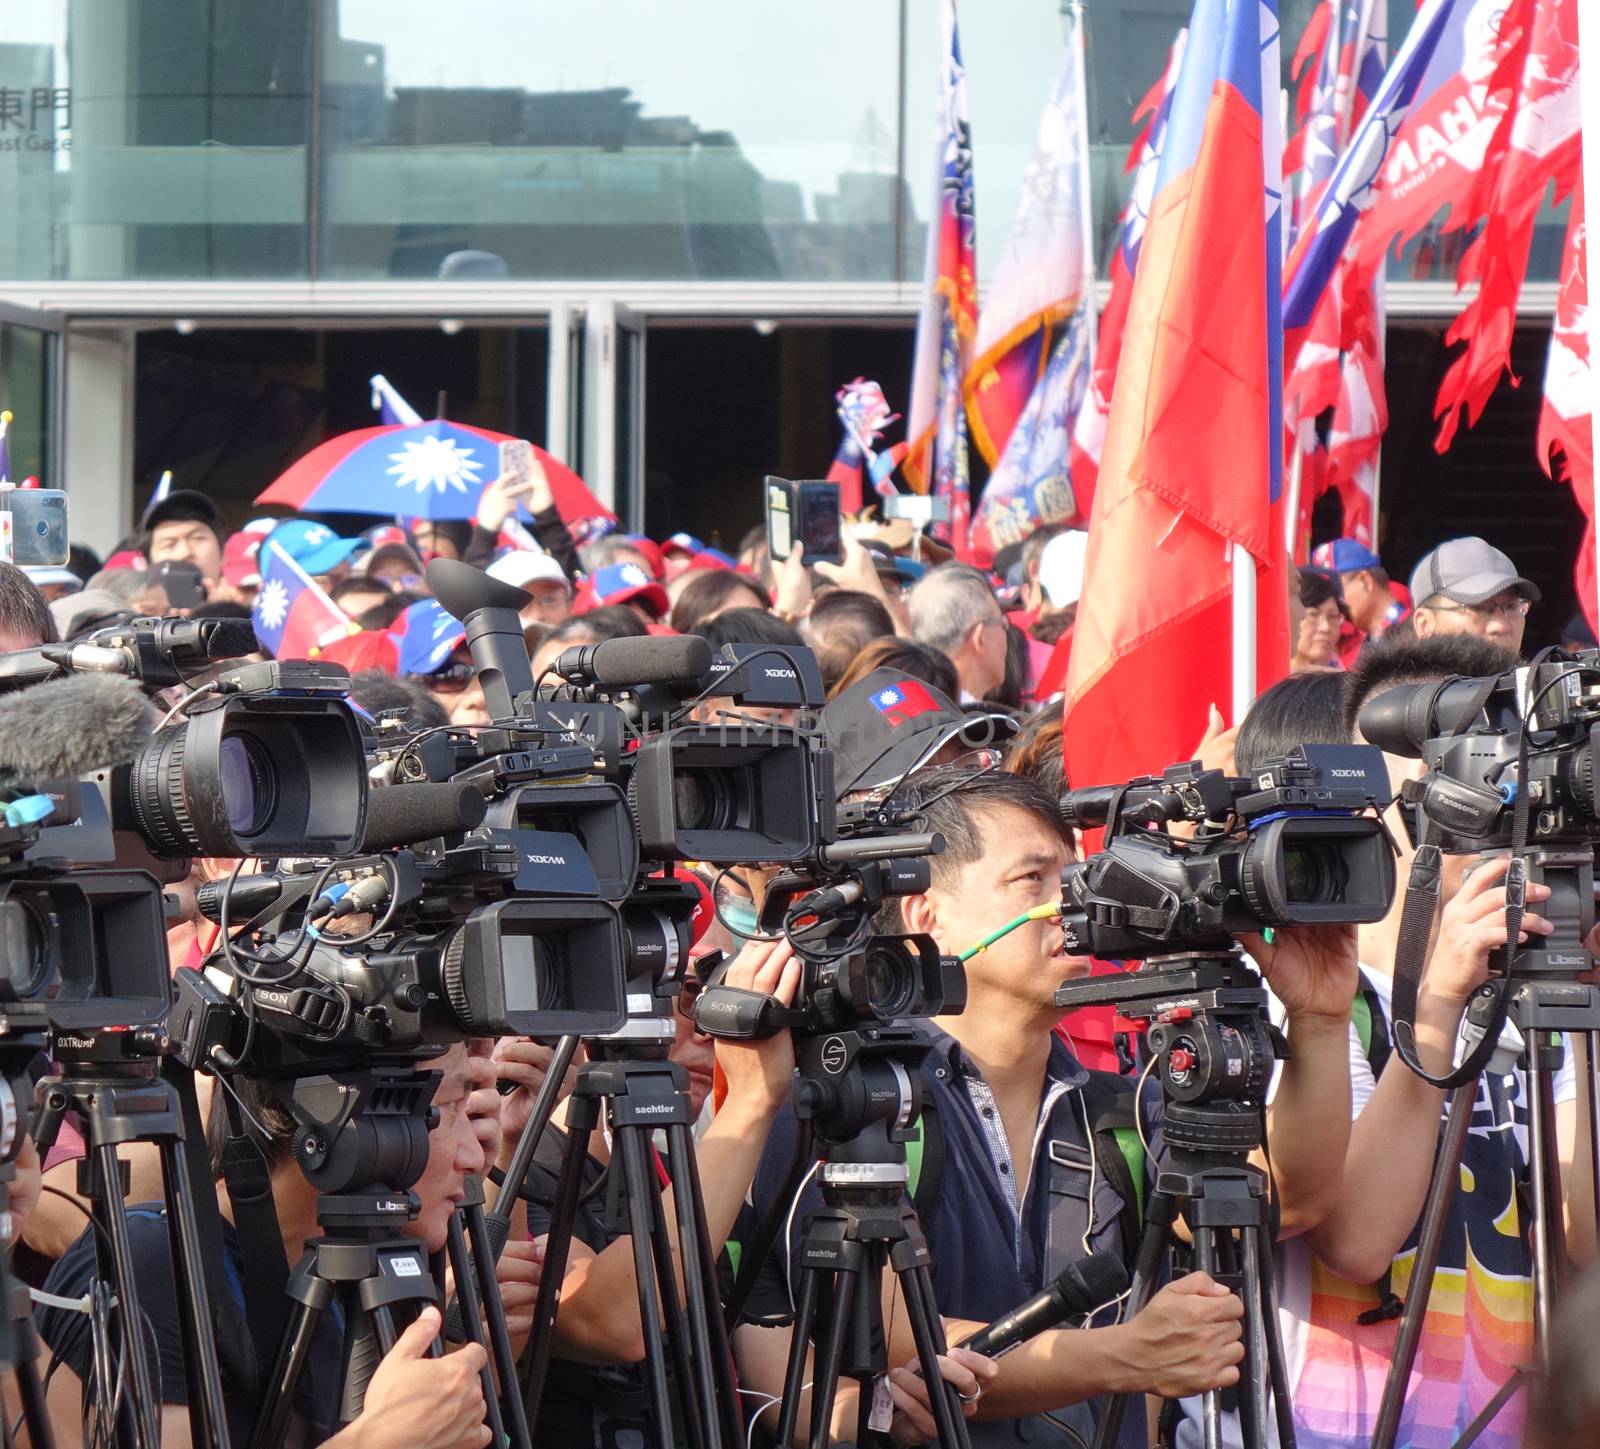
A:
(866, 1223)
(363, 1140)
(116, 1083)
(640, 1095)
(1214, 1050)
(19, 1343)
(1539, 1009)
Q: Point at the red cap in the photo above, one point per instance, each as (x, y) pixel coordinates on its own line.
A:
(239, 563)
(650, 551)
(370, 649)
(126, 558)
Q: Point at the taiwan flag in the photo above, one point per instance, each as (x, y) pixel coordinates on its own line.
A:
(905, 701)
(293, 617)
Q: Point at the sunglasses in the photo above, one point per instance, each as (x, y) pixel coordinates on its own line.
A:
(453, 678)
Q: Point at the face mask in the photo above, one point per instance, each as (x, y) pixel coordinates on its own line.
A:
(740, 918)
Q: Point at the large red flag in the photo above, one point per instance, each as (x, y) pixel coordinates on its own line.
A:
(1536, 142)
(1566, 421)
(1189, 473)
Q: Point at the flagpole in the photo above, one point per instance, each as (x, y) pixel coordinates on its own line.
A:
(1244, 632)
(1291, 521)
(1086, 178)
(1589, 96)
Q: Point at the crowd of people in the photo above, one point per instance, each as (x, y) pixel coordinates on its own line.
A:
(944, 688)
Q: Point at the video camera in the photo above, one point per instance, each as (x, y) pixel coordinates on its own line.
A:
(1526, 737)
(1284, 847)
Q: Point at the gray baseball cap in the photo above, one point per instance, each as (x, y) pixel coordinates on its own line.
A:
(1469, 571)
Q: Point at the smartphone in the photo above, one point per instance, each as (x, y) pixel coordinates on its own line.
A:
(804, 513)
(35, 526)
(181, 579)
(516, 463)
(920, 509)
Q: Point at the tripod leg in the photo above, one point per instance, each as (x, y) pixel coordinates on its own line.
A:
(472, 1321)
(285, 1380)
(928, 1333)
(563, 1213)
(1436, 1208)
(494, 1312)
(202, 1372)
(685, 1374)
(699, 1289)
(1162, 1210)
(1549, 1232)
(139, 1397)
(1282, 1402)
(631, 1152)
(1205, 1259)
(1257, 1363)
(794, 1377)
(721, 1350)
(825, 1363)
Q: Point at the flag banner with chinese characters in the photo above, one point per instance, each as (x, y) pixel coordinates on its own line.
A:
(293, 617)
(947, 323)
(1177, 495)
(1046, 273)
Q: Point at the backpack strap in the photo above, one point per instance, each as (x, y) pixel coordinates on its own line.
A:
(1110, 1104)
(925, 1159)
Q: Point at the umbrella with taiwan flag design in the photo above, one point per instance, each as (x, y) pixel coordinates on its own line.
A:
(434, 470)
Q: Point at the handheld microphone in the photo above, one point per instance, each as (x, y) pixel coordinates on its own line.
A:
(408, 814)
(1080, 1288)
(73, 726)
(649, 659)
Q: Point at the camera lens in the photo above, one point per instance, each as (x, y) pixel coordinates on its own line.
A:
(1313, 875)
(891, 983)
(703, 800)
(248, 791)
(24, 951)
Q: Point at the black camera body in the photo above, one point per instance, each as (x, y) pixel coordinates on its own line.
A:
(1282, 848)
(1470, 732)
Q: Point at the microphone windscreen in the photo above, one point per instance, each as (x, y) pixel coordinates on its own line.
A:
(650, 660)
(231, 639)
(69, 727)
(409, 814)
(1097, 1279)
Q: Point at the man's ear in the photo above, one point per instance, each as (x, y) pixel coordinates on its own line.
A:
(920, 914)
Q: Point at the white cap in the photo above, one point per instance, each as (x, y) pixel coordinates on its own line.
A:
(525, 567)
(1061, 567)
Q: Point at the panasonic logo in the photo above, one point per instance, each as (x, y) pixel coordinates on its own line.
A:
(546, 859)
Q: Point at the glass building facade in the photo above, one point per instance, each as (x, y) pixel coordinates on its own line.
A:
(651, 235)
(697, 140)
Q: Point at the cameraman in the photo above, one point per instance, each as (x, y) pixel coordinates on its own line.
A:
(412, 1402)
(1013, 1206)
(1348, 1296)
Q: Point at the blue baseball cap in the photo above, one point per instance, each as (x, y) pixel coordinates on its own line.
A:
(427, 636)
(314, 546)
(1344, 556)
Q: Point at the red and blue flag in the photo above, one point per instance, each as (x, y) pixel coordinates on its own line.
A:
(864, 413)
(293, 617)
(1178, 496)
(900, 703)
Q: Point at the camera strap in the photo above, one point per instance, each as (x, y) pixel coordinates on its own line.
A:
(264, 1266)
(1421, 903)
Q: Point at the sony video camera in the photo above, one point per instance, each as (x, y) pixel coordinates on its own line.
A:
(1288, 846)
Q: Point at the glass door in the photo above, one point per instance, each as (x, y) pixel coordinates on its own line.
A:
(613, 408)
(30, 390)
